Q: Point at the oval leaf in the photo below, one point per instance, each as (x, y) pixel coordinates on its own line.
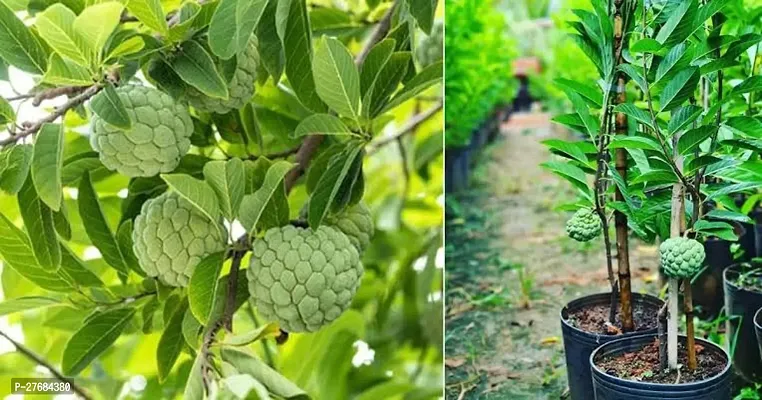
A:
(98, 333)
(202, 290)
(47, 163)
(110, 108)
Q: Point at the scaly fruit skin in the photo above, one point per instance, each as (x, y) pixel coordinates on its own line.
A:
(159, 137)
(681, 257)
(357, 223)
(584, 225)
(171, 237)
(240, 87)
(303, 278)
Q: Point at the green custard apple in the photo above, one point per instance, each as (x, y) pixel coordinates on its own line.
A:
(681, 257)
(584, 225)
(240, 87)
(303, 278)
(357, 223)
(171, 237)
(159, 136)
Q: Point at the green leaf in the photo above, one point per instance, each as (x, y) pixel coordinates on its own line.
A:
(275, 382)
(15, 162)
(191, 329)
(38, 221)
(576, 150)
(66, 73)
(694, 137)
(92, 339)
(634, 142)
(429, 76)
(227, 179)
(751, 84)
(683, 117)
(61, 223)
(203, 286)
(729, 216)
(76, 269)
(635, 75)
(127, 47)
(270, 46)
(680, 16)
(232, 24)
(194, 386)
(7, 113)
(336, 78)
(374, 63)
(47, 163)
(149, 12)
(171, 342)
(124, 240)
(634, 112)
(591, 94)
(96, 225)
(198, 193)
(240, 385)
(17, 253)
(679, 89)
(20, 304)
(107, 105)
(645, 45)
(270, 330)
(745, 126)
(385, 84)
(330, 183)
(56, 26)
(322, 124)
(254, 204)
(674, 60)
(423, 11)
(722, 230)
(18, 45)
(293, 27)
(196, 67)
(570, 173)
(95, 25)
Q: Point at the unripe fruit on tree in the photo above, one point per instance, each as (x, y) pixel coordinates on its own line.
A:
(172, 236)
(681, 257)
(240, 87)
(584, 225)
(303, 278)
(357, 223)
(158, 138)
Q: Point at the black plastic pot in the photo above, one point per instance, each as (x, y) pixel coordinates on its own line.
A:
(608, 387)
(707, 287)
(457, 168)
(578, 344)
(741, 305)
(758, 329)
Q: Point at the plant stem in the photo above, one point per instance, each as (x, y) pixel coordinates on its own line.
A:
(661, 336)
(409, 128)
(620, 219)
(40, 361)
(690, 342)
(677, 226)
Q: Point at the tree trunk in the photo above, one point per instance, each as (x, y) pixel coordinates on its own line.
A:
(677, 226)
(620, 220)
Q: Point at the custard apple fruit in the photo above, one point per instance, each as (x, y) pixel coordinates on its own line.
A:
(172, 236)
(159, 137)
(681, 257)
(240, 87)
(584, 225)
(357, 223)
(303, 278)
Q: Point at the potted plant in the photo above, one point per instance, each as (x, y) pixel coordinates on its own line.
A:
(598, 318)
(743, 297)
(684, 156)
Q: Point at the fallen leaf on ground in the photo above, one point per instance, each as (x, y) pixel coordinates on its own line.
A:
(459, 308)
(455, 362)
(550, 340)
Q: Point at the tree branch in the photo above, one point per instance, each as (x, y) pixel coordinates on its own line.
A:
(30, 128)
(409, 127)
(384, 25)
(40, 361)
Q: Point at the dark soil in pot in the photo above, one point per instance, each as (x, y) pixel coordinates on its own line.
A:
(643, 365)
(583, 324)
(743, 297)
(628, 369)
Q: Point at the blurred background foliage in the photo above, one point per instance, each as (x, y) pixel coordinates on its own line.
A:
(477, 66)
(387, 346)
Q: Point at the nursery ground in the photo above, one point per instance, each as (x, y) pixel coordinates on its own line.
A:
(511, 268)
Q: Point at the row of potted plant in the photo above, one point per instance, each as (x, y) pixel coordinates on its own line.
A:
(666, 164)
(479, 80)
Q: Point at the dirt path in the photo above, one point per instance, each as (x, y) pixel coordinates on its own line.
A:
(511, 268)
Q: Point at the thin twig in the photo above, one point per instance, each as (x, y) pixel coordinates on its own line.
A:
(40, 361)
(409, 127)
(30, 128)
(280, 154)
(384, 25)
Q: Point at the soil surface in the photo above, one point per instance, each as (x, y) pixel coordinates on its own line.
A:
(511, 269)
(595, 319)
(643, 365)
